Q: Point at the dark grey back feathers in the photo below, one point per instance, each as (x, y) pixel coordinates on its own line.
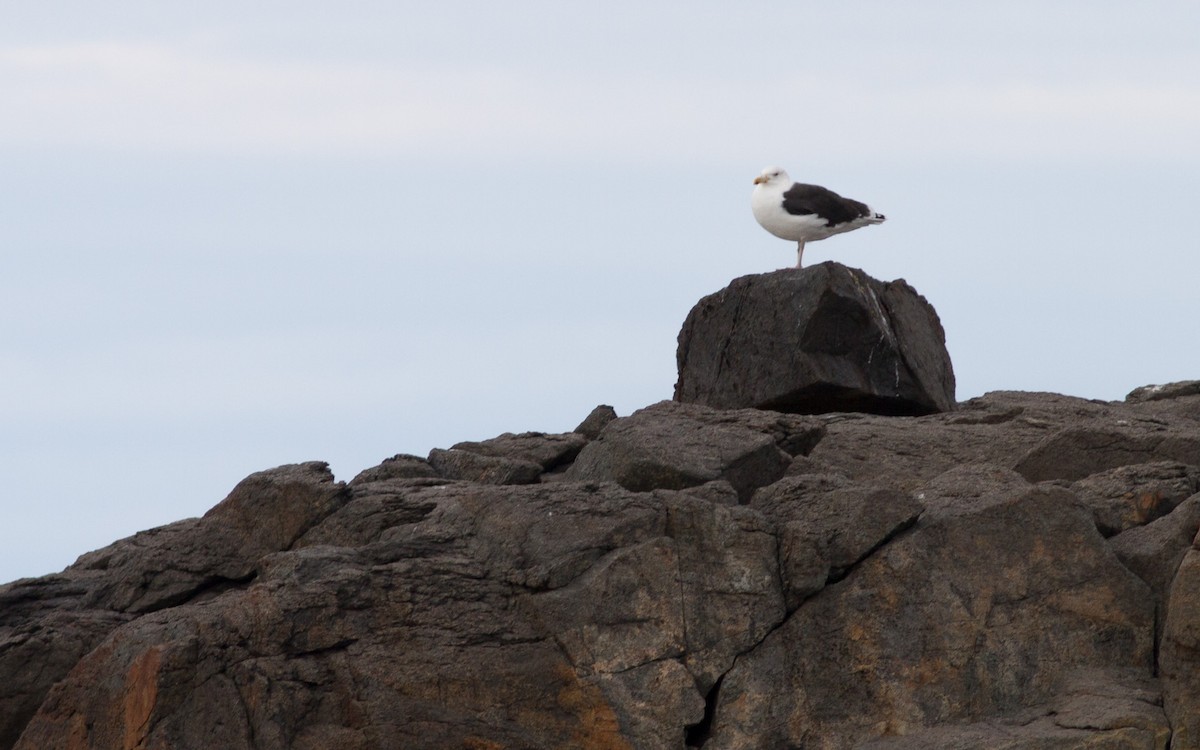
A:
(813, 199)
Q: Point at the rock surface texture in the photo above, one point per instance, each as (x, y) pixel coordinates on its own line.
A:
(826, 338)
(1019, 573)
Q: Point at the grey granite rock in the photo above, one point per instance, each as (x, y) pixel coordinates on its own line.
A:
(696, 577)
(825, 338)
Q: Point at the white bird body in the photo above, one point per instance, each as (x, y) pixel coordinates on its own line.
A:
(805, 213)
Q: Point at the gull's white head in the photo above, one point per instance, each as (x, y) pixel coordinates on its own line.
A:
(772, 176)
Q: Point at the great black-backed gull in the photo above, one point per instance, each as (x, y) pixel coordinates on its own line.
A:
(805, 213)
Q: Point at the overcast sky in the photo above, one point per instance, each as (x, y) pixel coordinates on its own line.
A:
(241, 235)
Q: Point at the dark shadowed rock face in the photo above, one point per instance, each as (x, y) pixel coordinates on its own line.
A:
(814, 340)
(997, 576)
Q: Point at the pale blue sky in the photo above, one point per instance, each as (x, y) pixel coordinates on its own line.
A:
(241, 235)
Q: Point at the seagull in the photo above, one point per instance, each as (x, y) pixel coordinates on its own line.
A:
(805, 213)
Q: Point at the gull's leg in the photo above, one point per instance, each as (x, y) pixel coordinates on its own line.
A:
(799, 253)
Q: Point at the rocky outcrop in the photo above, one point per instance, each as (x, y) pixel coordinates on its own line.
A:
(826, 338)
(960, 620)
(1164, 391)
(680, 577)
(47, 625)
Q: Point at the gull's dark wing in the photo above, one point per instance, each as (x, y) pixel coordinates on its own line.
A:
(813, 199)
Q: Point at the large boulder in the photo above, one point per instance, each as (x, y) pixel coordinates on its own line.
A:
(825, 338)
